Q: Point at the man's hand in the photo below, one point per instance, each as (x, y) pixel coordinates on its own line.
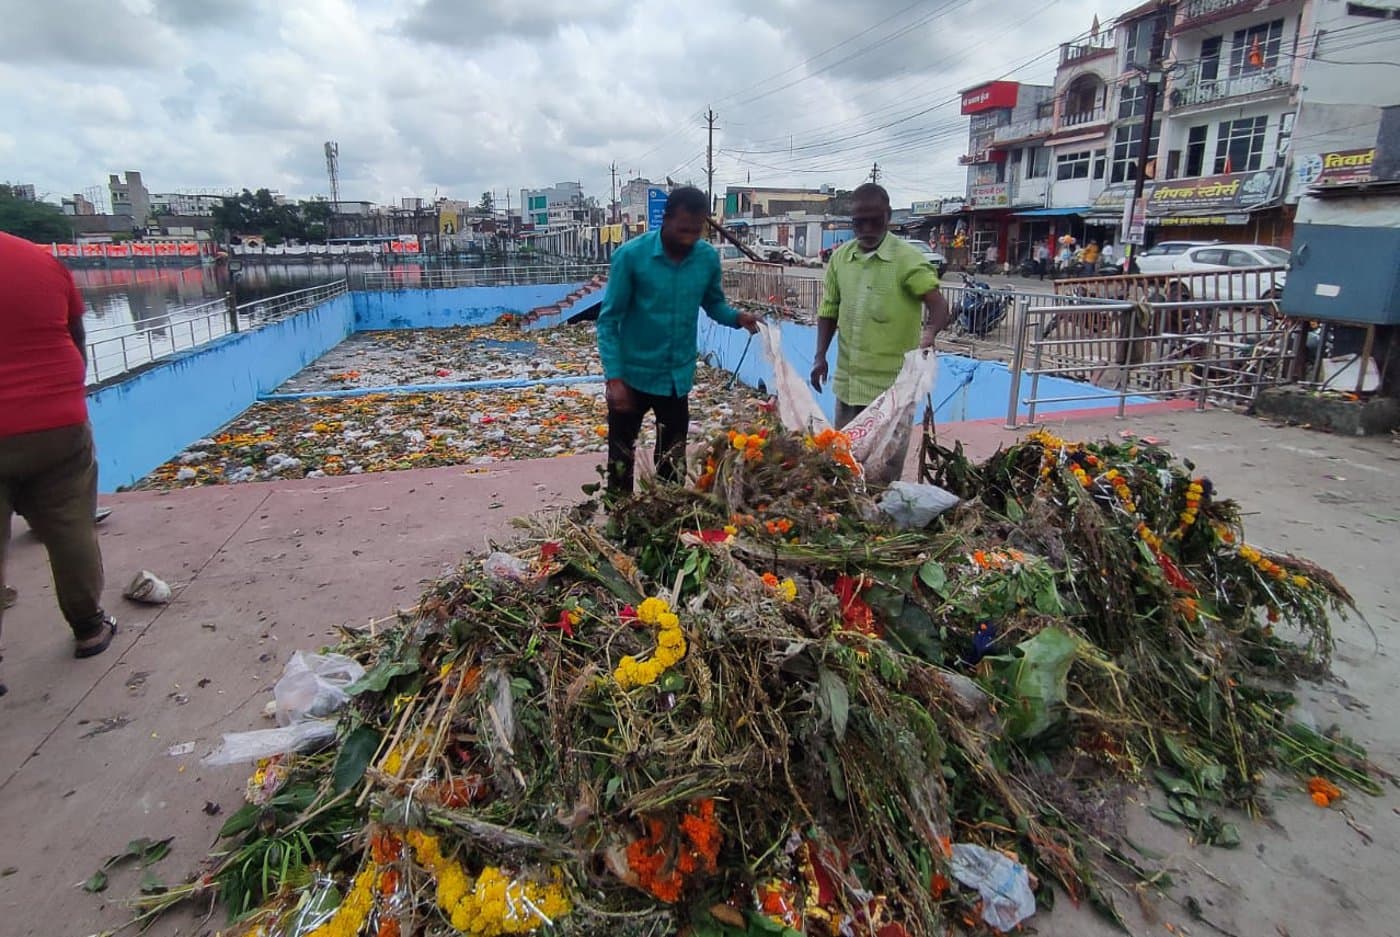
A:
(819, 374)
(749, 321)
(619, 396)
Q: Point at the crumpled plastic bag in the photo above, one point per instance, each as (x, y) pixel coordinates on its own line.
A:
(912, 506)
(503, 567)
(880, 433)
(1003, 883)
(312, 686)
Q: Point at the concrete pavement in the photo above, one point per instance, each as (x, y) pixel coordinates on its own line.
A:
(92, 753)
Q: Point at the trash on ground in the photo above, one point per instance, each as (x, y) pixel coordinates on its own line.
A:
(148, 588)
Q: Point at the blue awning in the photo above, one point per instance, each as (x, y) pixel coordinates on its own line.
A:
(1052, 212)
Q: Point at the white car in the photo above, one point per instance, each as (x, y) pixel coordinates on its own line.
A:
(933, 255)
(1160, 256)
(776, 253)
(1232, 271)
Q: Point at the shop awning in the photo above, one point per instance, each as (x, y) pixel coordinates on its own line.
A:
(1052, 212)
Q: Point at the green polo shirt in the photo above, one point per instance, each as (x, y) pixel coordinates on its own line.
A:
(877, 302)
(647, 327)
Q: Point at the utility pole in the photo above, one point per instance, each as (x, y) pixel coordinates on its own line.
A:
(710, 161)
(1152, 73)
(875, 173)
(613, 204)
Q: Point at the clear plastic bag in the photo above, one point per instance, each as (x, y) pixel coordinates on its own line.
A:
(313, 685)
(247, 747)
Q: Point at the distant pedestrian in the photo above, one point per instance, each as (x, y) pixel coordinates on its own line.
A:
(1106, 257)
(989, 258)
(882, 296)
(1042, 258)
(48, 466)
(657, 284)
(1090, 257)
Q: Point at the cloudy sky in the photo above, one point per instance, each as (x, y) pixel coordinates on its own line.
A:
(456, 97)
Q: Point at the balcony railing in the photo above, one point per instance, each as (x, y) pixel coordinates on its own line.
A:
(1023, 129)
(1194, 91)
(1079, 118)
(1195, 13)
(1072, 53)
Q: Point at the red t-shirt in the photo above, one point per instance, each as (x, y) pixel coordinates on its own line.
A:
(42, 376)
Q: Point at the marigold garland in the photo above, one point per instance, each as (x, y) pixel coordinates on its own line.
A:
(785, 589)
(670, 646)
(1195, 494)
(664, 864)
(495, 903)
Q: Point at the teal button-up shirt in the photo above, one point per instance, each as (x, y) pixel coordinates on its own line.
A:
(646, 329)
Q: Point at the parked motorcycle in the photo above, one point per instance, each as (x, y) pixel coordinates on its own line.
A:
(981, 308)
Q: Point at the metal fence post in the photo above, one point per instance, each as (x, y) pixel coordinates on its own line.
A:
(232, 311)
(1018, 359)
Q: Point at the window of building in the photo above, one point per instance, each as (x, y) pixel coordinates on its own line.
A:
(1196, 151)
(1100, 163)
(1144, 42)
(1083, 97)
(1045, 109)
(1126, 143)
(1210, 58)
(1038, 163)
(1072, 165)
(1239, 144)
(1268, 36)
(1132, 100)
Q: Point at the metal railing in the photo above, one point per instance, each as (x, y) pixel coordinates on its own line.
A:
(437, 278)
(1196, 91)
(1022, 129)
(1090, 116)
(151, 339)
(1237, 284)
(1201, 350)
(769, 286)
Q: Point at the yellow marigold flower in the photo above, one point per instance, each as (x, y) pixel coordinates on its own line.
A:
(1301, 582)
(787, 589)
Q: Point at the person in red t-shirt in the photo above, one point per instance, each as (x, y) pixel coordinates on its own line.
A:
(48, 465)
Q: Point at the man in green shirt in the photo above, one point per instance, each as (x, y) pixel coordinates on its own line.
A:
(657, 285)
(877, 290)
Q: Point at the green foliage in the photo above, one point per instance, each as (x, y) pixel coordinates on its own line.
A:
(33, 221)
(259, 213)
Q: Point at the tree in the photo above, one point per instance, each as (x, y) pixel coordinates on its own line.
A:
(34, 221)
(488, 202)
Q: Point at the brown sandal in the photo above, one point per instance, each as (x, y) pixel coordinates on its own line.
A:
(92, 650)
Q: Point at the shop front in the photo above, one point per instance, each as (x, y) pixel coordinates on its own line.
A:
(1239, 208)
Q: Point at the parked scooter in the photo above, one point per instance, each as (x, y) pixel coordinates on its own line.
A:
(981, 308)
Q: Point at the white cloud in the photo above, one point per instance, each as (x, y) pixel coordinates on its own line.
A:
(494, 94)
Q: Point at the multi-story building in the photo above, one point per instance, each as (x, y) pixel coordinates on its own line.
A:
(757, 201)
(188, 204)
(1007, 161)
(130, 197)
(633, 199)
(78, 205)
(1228, 89)
(560, 205)
(24, 191)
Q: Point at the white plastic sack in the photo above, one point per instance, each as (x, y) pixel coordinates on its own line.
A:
(913, 507)
(313, 685)
(1004, 884)
(879, 433)
(247, 747)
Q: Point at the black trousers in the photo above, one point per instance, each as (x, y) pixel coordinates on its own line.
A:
(672, 426)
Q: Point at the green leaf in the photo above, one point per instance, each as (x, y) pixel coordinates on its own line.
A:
(356, 752)
(145, 849)
(1037, 681)
(1185, 808)
(97, 883)
(835, 700)
(377, 680)
(1228, 836)
(933, 575)
(240, 821)
(1175, 785)
(1014, 511)
(151, 883)
(1166, 816)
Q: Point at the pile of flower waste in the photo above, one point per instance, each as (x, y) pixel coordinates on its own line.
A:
(753, 705)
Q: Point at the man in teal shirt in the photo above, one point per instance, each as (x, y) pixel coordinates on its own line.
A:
(877, 290)
(646, 334)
